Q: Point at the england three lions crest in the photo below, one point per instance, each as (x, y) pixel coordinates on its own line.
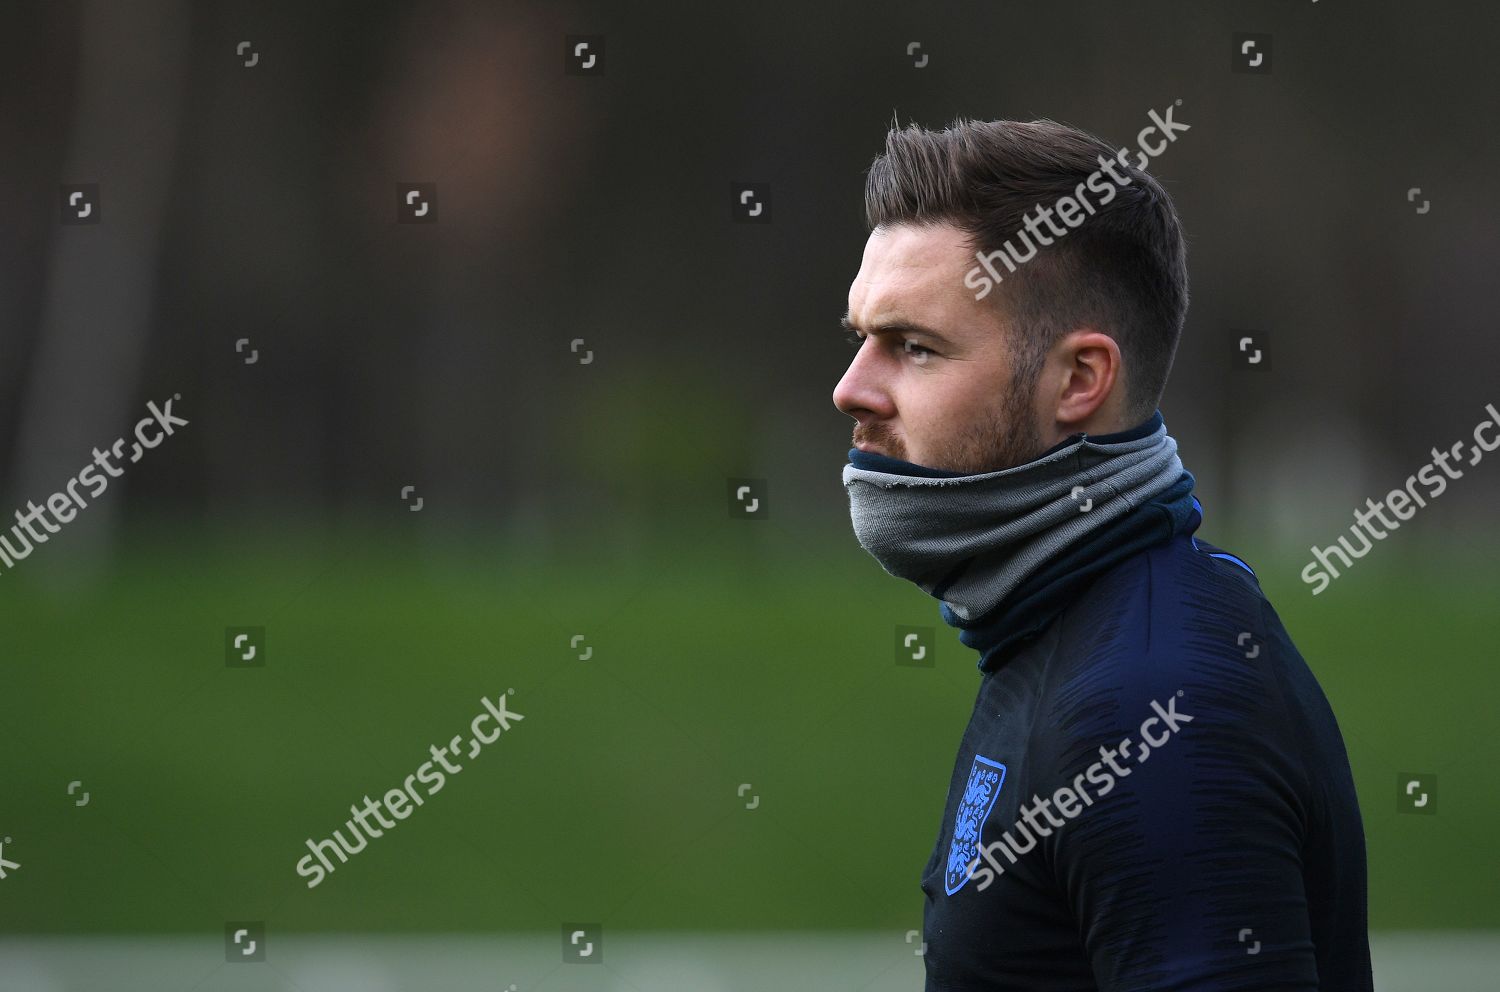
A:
(985, 779)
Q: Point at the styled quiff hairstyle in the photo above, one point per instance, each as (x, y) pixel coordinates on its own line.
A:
(1122, 271)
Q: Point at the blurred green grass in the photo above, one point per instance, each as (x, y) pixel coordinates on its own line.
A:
(716, 663)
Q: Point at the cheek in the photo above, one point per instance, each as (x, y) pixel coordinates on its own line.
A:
(935, 410)
(973, 398)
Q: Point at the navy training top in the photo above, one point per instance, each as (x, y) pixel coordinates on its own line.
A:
(1152, 790)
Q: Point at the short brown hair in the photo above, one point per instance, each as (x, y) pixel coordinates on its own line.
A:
(1123, 270)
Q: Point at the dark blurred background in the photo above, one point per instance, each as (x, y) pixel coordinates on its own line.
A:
(247, 158)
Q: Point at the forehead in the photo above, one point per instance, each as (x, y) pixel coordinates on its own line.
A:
(917, 273)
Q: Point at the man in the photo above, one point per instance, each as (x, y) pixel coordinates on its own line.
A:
(1152, 791)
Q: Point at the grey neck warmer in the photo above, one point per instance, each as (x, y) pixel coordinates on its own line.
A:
(969, 540)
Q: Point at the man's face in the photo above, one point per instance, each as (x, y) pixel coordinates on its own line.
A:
(931, 381)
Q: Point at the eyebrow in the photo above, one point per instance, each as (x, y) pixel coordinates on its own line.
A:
(898, 327)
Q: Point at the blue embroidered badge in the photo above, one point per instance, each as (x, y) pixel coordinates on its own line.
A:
(985, 779)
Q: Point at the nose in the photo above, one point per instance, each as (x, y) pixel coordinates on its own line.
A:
(862, 392)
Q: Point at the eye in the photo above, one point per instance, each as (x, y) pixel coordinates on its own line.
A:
(919, 354)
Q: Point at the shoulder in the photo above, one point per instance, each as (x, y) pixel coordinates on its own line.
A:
(1182, 621)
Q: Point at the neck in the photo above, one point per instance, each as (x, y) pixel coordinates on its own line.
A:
(986, 542)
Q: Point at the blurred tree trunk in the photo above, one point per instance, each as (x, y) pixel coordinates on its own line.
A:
(84, 382)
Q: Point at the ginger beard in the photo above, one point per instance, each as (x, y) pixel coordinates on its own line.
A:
(1002, 438)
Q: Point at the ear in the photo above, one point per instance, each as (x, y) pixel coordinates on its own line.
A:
(1088, 366)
